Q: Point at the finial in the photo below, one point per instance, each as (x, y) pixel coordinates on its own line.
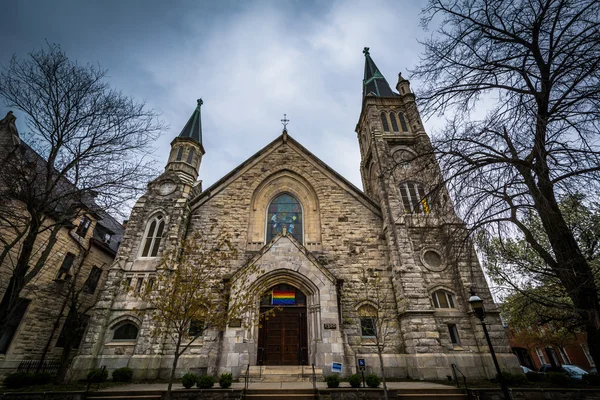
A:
(366, 51)
(285, 121)
(200, 102)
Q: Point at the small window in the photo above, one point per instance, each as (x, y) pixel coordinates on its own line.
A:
(12, 325)
(413, 198)
(403, 123)
(394, 122)
(196, 328)
(63, 272)
(92, 281)
(83, 227)
(128, 281)
(540, 355)
(384, 122)
(153, 236)
(367, 327)
(190, 156)
(150, 284)
(127, 331)
(443, 299)
(453, 334)
(179, 154)
(138, 285)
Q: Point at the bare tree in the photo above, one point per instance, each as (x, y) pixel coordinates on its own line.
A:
(87, 147)
(536, 63)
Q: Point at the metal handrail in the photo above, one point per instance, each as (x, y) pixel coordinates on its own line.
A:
(262, 351)
(89, 379)
(246, 381)
(454, 371)
(314, 381)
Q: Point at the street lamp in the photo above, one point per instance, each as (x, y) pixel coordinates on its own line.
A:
(479, 311)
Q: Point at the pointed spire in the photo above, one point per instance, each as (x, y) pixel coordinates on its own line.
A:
(193, 128)
(374, 83)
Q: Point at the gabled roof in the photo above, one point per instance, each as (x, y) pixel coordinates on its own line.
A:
(282, 140)
(374, 83)
(193, 128)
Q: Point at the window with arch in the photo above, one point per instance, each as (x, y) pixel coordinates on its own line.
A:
(368, 317)
(284, 214)
(179, 154)
(153, 237)
(394, 122)
(126, 331)
(384, 122)
(413, 198)
(190, 156)
(443, 299)
(403, 123)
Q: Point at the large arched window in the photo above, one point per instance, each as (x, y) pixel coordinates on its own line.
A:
(153, 237)
(443, 299)
(126, 331)
(394, 122)
(284, 214)
(403, 123)
(413, 198)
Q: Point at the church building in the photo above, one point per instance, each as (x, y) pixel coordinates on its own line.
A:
(313, 233)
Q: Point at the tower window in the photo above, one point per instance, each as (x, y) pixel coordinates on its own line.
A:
(403, 123)
(284, 214)
(413, 198)
(153, 236)
(179, 154)
(394, 122)
(384, 122)
(190, 156)
(443, 299)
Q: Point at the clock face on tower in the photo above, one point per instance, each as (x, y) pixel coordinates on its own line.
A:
(167, 187)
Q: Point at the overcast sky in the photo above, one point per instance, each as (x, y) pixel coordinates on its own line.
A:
(250, 61)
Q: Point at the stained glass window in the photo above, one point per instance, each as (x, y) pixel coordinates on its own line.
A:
(284, 214)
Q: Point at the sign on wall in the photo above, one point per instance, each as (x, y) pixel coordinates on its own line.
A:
(336, 367)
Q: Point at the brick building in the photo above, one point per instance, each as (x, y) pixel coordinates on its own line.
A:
(81, 256)
(312, 232)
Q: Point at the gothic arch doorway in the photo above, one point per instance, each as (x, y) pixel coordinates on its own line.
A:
(282, 337)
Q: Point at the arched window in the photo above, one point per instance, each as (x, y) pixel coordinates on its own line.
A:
(153, 236)
(127, 331)
(179, 154)
(394, 122)
(413, 198)
(190, 157)
(368, 319)
(284, 214)
(443, 299)
(403, 123)
(384, 122)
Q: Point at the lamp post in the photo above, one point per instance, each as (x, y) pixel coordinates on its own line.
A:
(479, 311)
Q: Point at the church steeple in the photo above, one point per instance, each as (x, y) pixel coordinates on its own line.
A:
(187, 150)
(374, 83)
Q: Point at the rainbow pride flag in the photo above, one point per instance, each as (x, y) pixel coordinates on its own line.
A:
(283, 298)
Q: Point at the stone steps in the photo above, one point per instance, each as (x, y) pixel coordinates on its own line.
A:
(283, 373)
(125, 395)
(281, 394)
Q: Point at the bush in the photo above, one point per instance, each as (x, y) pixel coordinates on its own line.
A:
(372, 380)
(534, 377)
(189, 380)
(355, 380)
(18, 380)
(205, 382)
(41, 378)
(557, 378)
(123, 375)
(97, 375)
(225, 380)
(511, 379)
(591, 379)
(333, 381)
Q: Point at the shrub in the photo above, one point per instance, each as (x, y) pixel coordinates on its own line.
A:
(534, 377)
(591, 379)
(355, 380)
(97, 375)
(123, 374)
(372, 380)
(188, 380)
(225, 380)
(205, 382)
(512, 379)
(333, 381)
(18, 380)
(41, 378)
(557, 378)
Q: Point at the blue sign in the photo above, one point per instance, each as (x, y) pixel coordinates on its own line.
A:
(336, 367)
(361, 362)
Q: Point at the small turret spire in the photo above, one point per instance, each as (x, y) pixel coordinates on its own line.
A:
(193, 128)
(374, 83)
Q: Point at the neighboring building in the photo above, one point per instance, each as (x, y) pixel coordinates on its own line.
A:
(312, 232)
(82, 254)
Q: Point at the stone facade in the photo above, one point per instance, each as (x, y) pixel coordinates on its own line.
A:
(345, 231)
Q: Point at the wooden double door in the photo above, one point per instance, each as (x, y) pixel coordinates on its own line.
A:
(282, 339)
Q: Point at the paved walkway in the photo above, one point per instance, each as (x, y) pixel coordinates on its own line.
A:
(279, 385)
